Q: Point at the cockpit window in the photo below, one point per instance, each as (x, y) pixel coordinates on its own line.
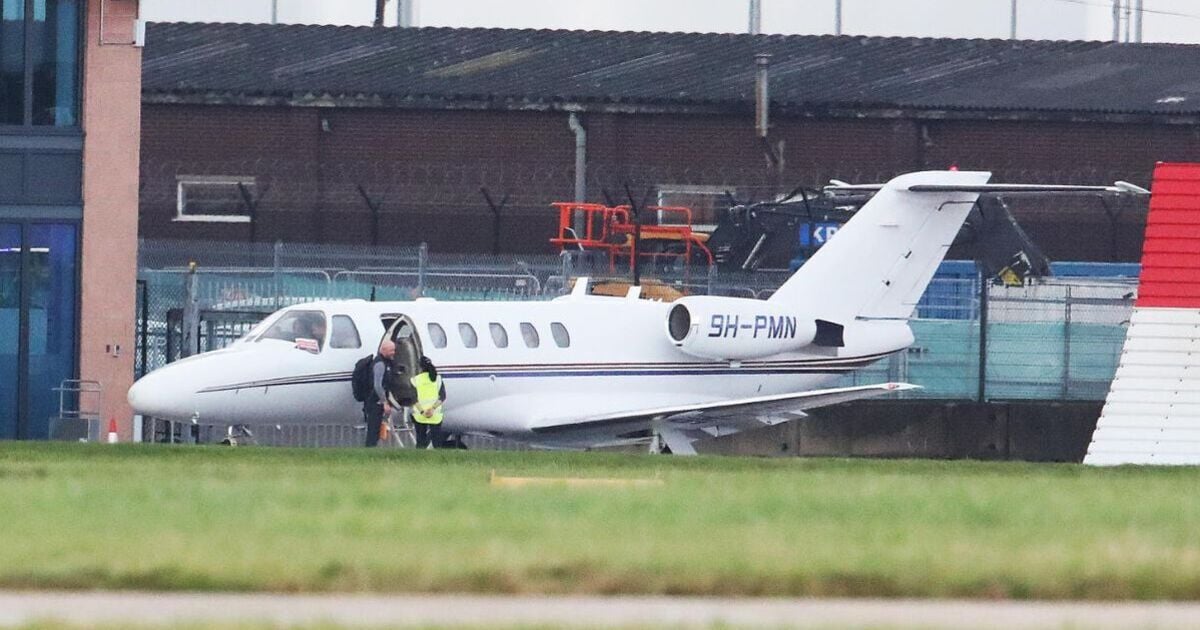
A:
(345, 333)
(295, 325)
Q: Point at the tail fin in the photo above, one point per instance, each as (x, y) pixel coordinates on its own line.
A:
(878, 264)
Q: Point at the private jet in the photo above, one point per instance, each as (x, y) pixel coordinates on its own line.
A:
(583, 370)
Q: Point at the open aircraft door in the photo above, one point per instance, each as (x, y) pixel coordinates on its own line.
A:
(403, 332)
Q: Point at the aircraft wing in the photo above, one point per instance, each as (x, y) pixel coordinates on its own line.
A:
(681, 425)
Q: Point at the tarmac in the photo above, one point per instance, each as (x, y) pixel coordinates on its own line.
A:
(168, 609)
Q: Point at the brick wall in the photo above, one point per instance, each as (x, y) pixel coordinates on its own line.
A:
(423, 169)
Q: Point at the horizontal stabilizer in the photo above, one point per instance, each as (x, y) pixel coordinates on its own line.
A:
(1118, 188)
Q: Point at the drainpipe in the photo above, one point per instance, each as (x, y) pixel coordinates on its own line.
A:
(580, 167)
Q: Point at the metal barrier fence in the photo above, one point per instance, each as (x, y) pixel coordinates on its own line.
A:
(1056, 339)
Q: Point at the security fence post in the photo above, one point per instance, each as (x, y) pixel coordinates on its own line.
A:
(191, 313)
(568, 270)
(275, 253)
(422, 263)
(983, 326)
(1066, 360)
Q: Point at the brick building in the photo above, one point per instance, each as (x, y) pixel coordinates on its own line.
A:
(69, 84)
(333, 134)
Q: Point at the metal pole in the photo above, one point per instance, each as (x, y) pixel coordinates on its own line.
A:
(983, 325)
(1116, 16)
(274, 11)
(837, 17)
(1128, 9)
(1012, 32)
(275, 254)
(422, 263)
(405, 12)
(1066, 373)
(1138, 14)
(762, 94)
(567, 270)
(755, 17)
(191, 314)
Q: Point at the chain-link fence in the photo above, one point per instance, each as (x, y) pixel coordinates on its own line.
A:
(1059, 338)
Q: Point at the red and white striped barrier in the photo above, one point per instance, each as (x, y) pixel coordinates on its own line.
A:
(1152, 413)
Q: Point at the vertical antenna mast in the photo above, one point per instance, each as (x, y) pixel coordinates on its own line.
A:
(837, 17)
(1012, 34)
(755, 17)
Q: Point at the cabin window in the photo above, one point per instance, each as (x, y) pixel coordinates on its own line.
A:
(344, 333)
(530, 334)
(499, 335)
(561, 338)
(437, 335)
(295, 325)
(469, 338)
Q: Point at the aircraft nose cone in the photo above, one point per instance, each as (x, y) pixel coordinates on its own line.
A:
(147, 398)
(161, 394)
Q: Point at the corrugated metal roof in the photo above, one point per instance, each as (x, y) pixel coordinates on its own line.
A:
(505, 67)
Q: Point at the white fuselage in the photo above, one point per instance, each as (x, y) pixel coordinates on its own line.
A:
(619, 358)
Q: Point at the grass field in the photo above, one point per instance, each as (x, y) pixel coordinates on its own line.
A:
(155, 517)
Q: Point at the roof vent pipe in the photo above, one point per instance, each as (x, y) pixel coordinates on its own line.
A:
(755, 17)
(762, 96)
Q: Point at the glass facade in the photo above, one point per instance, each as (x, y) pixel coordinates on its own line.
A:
(39, 62)
(54, 45)
(38, 323)
(10, 326)
(51, 275)
(12, 62)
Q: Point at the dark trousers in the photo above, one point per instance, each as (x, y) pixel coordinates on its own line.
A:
(428, 434)
(373, 414)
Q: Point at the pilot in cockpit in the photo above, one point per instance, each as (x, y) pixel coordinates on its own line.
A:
(312, 327)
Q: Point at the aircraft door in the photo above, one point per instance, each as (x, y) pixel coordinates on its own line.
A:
(403, 332)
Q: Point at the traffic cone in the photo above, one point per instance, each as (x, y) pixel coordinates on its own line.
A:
(112, 431)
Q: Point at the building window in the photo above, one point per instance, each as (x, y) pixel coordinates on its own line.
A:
(214, 199)
(39, 39)
(344, 334)
(706, 203)
(561, 338)
(530, 334)
(469, 338)
(438, 335)
(499, 335)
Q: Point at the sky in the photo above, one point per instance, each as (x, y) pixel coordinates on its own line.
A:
(1164, 21)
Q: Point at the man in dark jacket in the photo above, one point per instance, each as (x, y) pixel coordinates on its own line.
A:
(376, 406)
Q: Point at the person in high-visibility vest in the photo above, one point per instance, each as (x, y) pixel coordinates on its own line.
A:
(427, 412)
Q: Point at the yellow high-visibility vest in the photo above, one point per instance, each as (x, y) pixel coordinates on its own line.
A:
(428, 399)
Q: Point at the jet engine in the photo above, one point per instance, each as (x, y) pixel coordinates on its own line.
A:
(733, 329)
